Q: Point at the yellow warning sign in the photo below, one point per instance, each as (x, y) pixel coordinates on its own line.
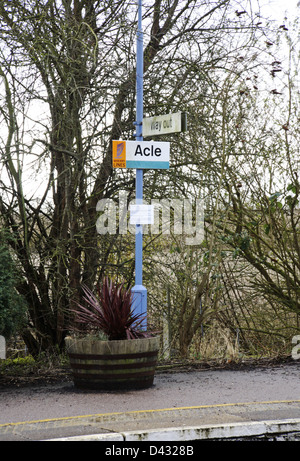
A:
(119, 154)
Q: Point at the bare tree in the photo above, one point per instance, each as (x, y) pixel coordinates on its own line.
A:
(76, 60)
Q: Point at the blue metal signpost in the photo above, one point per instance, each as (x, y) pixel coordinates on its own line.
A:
(139, 291)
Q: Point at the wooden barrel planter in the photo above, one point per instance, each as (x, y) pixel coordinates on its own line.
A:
(111, 365)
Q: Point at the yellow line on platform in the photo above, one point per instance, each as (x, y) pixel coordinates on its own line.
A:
(219, 405)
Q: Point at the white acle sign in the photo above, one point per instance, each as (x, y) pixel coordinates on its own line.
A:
(141, 154)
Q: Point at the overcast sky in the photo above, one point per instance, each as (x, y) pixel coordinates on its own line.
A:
(278, 8)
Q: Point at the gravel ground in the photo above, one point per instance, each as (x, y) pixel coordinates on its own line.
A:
(52, 395)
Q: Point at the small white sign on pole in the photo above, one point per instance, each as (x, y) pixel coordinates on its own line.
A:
(141, 214)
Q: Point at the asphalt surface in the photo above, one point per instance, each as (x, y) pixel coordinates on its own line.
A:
(180, 406)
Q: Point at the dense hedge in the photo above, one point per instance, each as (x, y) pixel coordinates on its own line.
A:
(12, 305)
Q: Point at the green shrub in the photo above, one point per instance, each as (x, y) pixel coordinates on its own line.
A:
(16, 365)
(12, 304)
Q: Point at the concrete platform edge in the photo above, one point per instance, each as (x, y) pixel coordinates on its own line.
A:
(193, 433)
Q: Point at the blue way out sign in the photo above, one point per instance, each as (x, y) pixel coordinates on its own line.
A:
(141, 154)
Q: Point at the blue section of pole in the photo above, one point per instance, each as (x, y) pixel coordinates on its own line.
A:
(139, 292)
(139, 232)
(139, 75)
(139, 137)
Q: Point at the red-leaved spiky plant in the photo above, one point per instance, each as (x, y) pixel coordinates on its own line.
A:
(110, 311)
